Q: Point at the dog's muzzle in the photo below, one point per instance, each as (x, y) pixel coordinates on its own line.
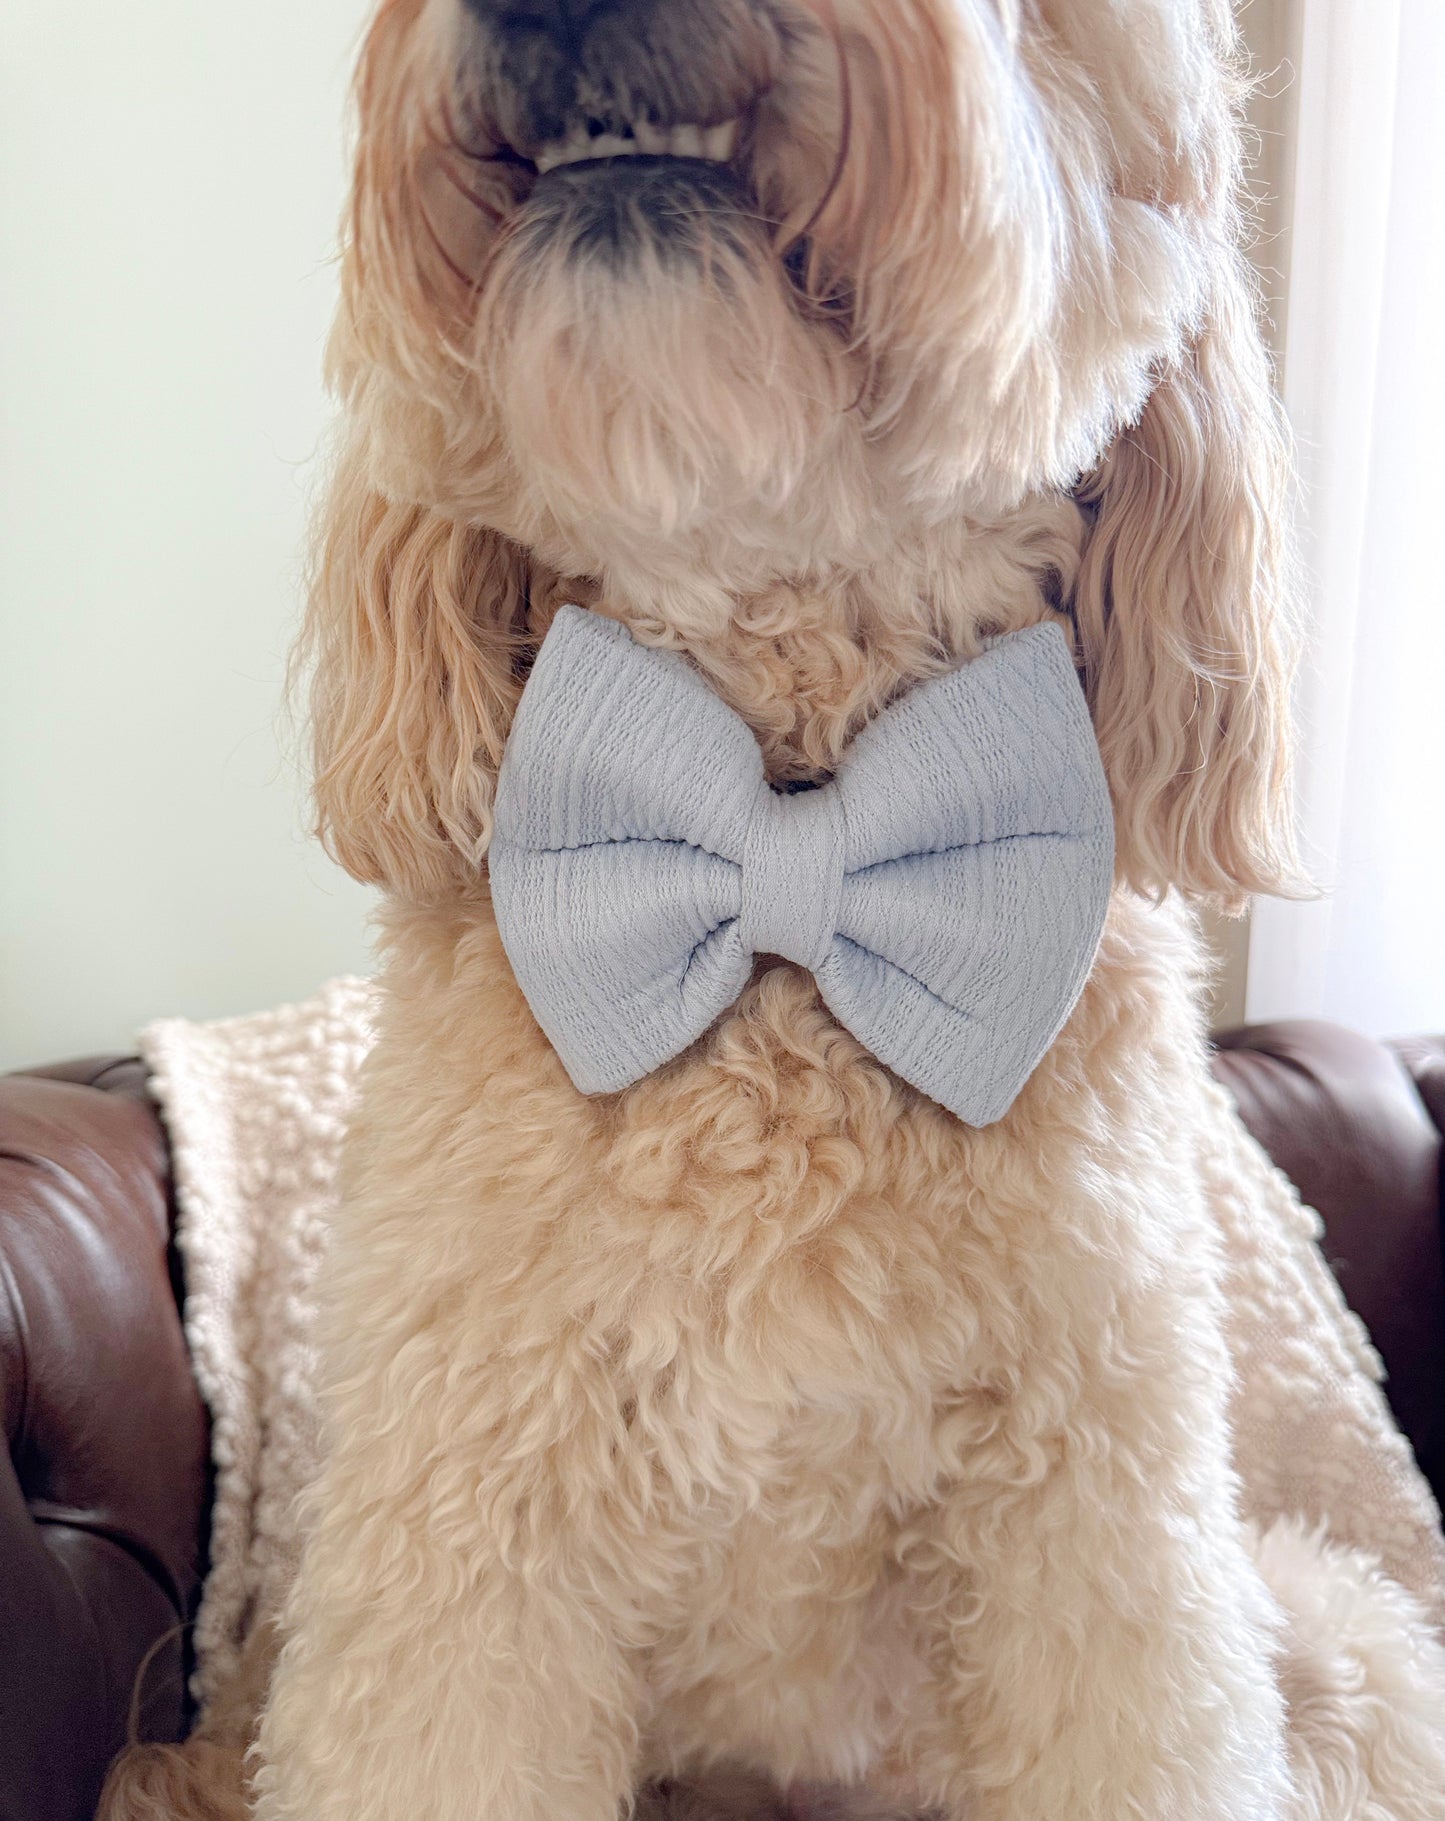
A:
(583, 84)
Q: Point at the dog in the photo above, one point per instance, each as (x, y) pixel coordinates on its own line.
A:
(763, 1413)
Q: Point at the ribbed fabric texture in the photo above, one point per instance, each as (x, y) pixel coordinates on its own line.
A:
(947, 888)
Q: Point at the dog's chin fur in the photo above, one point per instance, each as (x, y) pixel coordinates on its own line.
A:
(691, 418)
(765, 1410)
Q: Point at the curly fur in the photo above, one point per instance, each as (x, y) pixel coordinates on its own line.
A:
(764, 1414)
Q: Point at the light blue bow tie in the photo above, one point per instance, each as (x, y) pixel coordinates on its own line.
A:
(946, 889)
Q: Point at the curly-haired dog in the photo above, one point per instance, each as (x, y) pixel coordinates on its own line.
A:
(765, 1411)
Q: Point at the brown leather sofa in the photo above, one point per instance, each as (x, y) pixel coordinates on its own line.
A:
(105, 1488)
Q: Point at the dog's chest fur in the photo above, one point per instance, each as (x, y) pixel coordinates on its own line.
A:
(748, 1325)
(771, 1256)
(751, 1325)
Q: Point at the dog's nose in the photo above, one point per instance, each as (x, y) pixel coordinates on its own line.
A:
(635, 74)
(562, 20)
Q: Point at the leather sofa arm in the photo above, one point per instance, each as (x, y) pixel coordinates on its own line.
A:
(104, 1486)
(1357, 1125)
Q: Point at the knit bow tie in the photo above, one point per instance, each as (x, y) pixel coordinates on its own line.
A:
(946, 889)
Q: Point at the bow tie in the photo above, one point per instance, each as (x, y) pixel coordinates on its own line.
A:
(946, 889)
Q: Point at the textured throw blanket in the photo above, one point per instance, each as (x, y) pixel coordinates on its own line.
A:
(256, 1108)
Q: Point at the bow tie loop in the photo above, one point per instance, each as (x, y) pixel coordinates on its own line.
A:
(947, 889)
(792, 875)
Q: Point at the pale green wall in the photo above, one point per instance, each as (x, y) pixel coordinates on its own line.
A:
(173, 178)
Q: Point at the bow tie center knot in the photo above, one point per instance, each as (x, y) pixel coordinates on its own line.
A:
(792, 875)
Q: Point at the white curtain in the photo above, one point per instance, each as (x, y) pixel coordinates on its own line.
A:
(1364, 380)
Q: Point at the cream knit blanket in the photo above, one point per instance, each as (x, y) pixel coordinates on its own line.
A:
(256, 1108)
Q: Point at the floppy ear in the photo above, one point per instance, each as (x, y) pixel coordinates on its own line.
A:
(1184, 613)
(413, 631)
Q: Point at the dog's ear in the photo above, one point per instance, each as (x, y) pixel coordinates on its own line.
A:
(1184, 614)
(413, 635)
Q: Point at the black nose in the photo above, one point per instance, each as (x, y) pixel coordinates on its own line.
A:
(564, 21)
(555, 62)
(539, 68)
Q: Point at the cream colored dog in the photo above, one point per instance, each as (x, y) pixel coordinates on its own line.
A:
(764, 1412)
